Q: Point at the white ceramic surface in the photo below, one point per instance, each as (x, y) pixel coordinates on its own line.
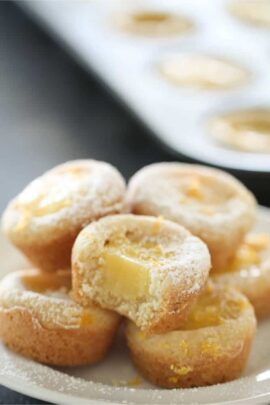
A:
(128, 65)
(110, 381)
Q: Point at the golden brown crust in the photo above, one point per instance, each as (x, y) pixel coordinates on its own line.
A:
(174, 310)
(52, 255)
(196, 357)
(47, 325)
(208, 370)
(175, 282)
(45, 218)
(261, 302)
(23, 333)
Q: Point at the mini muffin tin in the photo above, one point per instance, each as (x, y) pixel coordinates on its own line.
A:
(129, 64)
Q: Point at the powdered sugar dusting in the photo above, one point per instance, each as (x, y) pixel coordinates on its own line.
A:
(94, 385)
(160, 189)
(74, 193)
(52, 309)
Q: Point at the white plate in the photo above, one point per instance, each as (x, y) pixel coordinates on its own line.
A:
(108, 382)
(128, 65)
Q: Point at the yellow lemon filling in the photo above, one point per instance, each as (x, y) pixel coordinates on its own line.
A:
(212, 309)
(43, 282)
(258, 241)
(126, 267)
(38, 208)
(86, 318)
(191, 189)
(184, 370)
(125, 276)
(199, 196)
(211, 347)
(48, 203)
(249, 253)
(194, 189)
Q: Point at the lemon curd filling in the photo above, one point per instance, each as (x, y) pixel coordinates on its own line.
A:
(212, 309)
(196, 193)
(86, 318)
(38, 208)
(126, 267)
(249, 253)
(191, 189)
(126, 276)
(42, 283)
(50, 202)
(194, 189)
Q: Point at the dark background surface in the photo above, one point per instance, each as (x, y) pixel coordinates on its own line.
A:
(52, 111)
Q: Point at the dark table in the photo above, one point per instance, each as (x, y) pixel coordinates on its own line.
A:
(52, 111)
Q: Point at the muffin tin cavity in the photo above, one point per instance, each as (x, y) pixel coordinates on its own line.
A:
(246, 130)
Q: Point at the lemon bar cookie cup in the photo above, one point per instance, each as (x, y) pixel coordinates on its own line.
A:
(39, 320)
(211, 347)
(45, 218)
(145, 268)
(210, 203)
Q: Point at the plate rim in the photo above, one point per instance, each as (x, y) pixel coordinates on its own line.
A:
(46, 394)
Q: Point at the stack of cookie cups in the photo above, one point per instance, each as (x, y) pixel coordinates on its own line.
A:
(38, 317)
(152, 267)
(144, 255)
(212, 344)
